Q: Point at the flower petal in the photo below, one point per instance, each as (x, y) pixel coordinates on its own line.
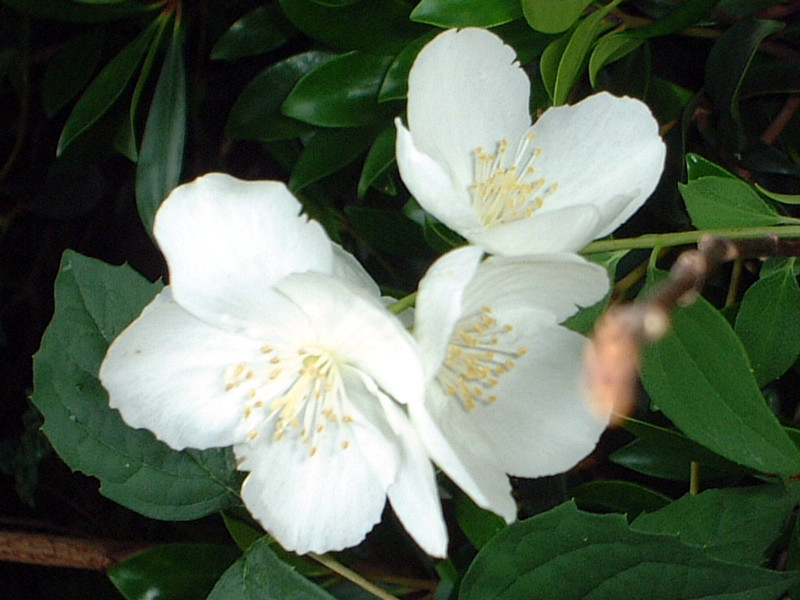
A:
(361, 331)
(540, 424)
(466, 90)
(439, 303)
(567, 229)
(603, 151)
(165, 373)
(228, 241)
(557, 283)
(433, 185)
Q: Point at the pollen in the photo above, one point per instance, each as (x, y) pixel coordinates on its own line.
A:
(507, 188)
(298, 395)
(480, 353)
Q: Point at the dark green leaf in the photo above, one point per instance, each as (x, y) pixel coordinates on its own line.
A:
(572, 61)
(244, 533)
(565, 554)
(549, 61)
(94, 303)
(68, 72)
(729, 59)
(682, 16)
(172, 571)
(161, 158)
(256, 114)
(466, 13)
(259, 574)
(735, 524)
(67, 10)
(328, 151)
(768, 324)
(395, 82)
(609, 49)
(259, 31)
(342, 92)
(699, 376)
(379, 26)
(770, 78)
(623, 497)
(667, 454)
(380, 159)
(105, 88)
(717, 202)
(553, 16)
(667, 99)
(478, 524)
(386, 231)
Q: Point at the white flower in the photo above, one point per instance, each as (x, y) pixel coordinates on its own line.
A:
(471, 158)
(504, 393)
(272, 339)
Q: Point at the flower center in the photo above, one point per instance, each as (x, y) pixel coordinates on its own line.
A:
(301, 395)
(506, 188)
(477, 357)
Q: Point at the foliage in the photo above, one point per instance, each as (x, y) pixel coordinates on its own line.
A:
(109, 104)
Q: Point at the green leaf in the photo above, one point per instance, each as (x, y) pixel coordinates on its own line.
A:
(256, 114)
(682, 16)
(395, 82)
(717, 202)
(768, 323)
(387, 231)
(259, 574)
(548, 62)
(553, 16)
(667, 99)
(735, 524)
(565, 554)
(729, 60)
(571, 63)
(583, 321)
(94, 303)
(161, 157)
(105, 88)
(478, 524)
(782, 198)
(70, 69)
(623, 497)
(259, 31)
(609, 49)
(244, 532)
(378, 26)
(172, 571)
(380, 159)
(699, 376)
(342, 92)
(667, 454)
(698, 166)
(328, 151)
(466, 13)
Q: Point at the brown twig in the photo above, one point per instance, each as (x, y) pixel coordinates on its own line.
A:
(62, 551)
(611, 360)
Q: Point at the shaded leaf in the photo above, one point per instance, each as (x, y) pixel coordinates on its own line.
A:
(105, 88)
(68, 72)
(161, 157)
(387, 231)
(259, 31)
(380, 159)
(94, 303)
(342, 92)
(328, 151)
(395, 82)
(256, 114)
(172, 571)
(623, 497)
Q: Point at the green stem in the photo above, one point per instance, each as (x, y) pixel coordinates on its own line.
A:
(403, 304)
(682, 238)
(350, 575)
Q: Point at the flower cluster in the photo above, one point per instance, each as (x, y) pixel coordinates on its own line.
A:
(272, 339)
